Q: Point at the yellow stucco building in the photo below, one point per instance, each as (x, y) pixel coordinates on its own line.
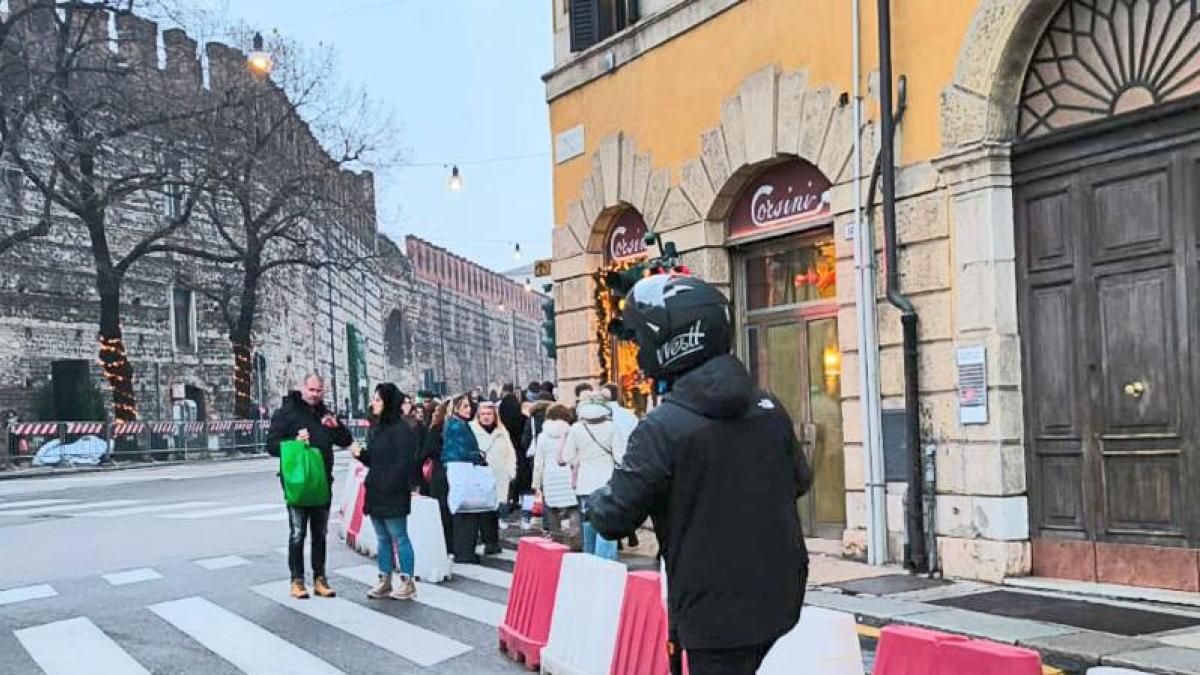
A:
(1047, 239)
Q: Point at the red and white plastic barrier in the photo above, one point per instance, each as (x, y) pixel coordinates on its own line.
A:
(642, 633)
(823, 641)
(526, 626)
(587, 612)
(908, 650)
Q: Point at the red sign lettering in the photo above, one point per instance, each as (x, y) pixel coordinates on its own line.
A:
(786, 195)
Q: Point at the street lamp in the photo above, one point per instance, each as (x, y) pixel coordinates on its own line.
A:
(259, 61)
(456, 181)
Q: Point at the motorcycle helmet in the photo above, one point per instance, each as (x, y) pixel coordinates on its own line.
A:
(678, 322)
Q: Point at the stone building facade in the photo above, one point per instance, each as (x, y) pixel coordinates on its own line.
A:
(383, 318)
(1042, 180)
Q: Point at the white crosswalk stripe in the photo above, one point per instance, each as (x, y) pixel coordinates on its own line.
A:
(76, 646)
(36, 502)
(66, 508)
(252, 649)
(132, 576)
(225, 511)
(152, 508)
(222, 563)
(438, 597)
(269, 518)
(485, 574)
(12, 596)
(418, 645)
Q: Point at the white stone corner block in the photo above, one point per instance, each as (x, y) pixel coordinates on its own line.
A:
(712, 153)
(758, 114)
(697, 186)
(610, 167)
(676, 212)
(625, 193)
(656, 194)
(790, 100)
(818, 104)
(734, 130)
(839, 145)
(579, 227)
(639, 183)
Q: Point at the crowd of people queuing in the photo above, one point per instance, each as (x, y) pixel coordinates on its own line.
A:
(545, 458)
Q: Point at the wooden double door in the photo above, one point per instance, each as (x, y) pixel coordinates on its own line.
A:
(1109, 310)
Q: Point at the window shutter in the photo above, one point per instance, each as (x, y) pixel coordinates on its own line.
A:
(585, 24)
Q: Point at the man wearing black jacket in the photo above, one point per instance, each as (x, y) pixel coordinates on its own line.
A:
(303, 417)
(718, 468)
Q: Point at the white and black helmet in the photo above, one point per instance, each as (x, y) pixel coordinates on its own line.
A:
(678, 322)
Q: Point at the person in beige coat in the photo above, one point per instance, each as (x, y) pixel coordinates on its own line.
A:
(593, 448)
(497, 449)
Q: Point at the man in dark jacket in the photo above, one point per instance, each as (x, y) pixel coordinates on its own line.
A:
(718, 468)
(303, 417)
(514, 423)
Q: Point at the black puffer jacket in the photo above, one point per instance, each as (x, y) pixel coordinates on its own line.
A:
(391, 455)
(718, 468)
(295, 415)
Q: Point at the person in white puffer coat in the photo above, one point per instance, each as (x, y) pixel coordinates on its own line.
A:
(593, 449)
(552, 481)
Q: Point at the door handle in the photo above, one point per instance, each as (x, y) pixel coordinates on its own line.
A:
(1135, 389)
(809, 441)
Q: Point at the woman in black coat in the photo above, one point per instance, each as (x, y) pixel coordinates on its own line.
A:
(392, 458)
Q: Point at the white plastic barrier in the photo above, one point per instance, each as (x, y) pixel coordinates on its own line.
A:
(1110, 670)
(429, 544)
(587, 612)
(824, 642)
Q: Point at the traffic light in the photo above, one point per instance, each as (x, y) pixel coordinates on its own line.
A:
(549, 339)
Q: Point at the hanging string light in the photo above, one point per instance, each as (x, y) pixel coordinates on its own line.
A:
(455, 182)
(259, 60)
(517, 252)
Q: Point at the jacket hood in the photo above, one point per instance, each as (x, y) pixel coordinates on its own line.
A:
(593, 409)
(540, 408)
(720, 388)
(556, 428)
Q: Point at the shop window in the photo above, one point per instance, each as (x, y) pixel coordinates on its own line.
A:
(792, 276)
(593, 21)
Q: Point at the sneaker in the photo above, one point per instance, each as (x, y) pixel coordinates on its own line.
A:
(321, 588)
(382, 589)
(299, 592)
(406, 588)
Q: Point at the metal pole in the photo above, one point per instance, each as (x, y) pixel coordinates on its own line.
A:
(442, 332)
(158, 389)
(332, 343)
(366, 343)
(516, 375)
(487, 347)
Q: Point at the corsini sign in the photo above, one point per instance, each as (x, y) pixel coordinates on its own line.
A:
(626, 238)
(789, 194)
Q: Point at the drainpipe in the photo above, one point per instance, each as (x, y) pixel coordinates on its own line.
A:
(915, 559)
(868, 336)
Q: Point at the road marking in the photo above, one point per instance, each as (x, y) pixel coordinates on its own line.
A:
(422, 647)
(76, 646)
(438, 597)
(249, 647)
(485, 574)
(153, 508)
(222, 563)
(227, 511)
(37, 502)
(12, 596)
(63, 508)
(269, 518)
(132, 576)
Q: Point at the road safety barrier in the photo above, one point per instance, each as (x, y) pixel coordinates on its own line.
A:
(72, 443)
(907, 650)
(352, 525)
(428, 541)
(642, 633)
(526, 624)
(1110, 670)
(823, 641)
(587, 612)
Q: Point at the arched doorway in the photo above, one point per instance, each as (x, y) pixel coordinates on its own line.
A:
(1105, 170)
(624, 246)
(785, 294)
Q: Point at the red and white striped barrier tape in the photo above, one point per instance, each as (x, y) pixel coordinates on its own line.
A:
(35, 429)
(85, 427)
(128, 428)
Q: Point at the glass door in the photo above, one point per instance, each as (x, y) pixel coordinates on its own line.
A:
(791, 348)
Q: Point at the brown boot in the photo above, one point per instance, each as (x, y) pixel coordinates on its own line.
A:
(321, 588)
(299, 592)
(382, 589)
(406, 588)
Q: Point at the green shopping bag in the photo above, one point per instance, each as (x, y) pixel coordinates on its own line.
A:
(303, 472)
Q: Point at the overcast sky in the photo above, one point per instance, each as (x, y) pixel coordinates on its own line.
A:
(464, 80)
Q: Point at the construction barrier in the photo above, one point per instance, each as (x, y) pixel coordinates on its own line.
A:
(1110, 670)
(824, 641)
(353, 526)
(587, 612)
(641, 647)
(982, 657)
(429, 544)
(526, 624)
(908, 650)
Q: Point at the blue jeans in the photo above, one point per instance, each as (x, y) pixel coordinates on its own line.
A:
(592, 541)
(393, 543)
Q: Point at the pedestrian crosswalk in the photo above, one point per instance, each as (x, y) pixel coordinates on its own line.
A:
(265, 512)
(448, 628)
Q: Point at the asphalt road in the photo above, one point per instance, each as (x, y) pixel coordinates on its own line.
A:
(182, 570)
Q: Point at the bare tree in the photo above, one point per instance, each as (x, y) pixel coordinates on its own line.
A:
(102, 136)
(288, 186)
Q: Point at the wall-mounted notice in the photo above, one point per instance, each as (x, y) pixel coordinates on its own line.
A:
(972, 385)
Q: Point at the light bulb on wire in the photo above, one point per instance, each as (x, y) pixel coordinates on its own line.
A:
(455, 183)
(517, 252)
(259, 61)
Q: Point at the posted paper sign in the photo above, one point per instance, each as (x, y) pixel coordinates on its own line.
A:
(972, 385)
